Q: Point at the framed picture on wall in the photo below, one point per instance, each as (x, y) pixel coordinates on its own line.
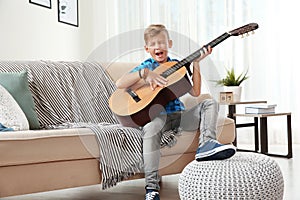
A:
(68, 12)
(43, 3)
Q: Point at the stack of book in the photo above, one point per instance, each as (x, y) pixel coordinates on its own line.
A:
(260, 109)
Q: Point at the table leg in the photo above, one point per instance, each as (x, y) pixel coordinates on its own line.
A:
(264, 138)
(264, 135)
(256, 134)
(289, 134)
(231, 112)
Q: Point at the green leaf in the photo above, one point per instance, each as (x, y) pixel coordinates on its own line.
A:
(231, 80)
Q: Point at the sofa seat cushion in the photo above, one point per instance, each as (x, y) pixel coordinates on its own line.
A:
(40, 146)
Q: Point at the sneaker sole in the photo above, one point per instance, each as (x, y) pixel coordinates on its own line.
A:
(220, 153)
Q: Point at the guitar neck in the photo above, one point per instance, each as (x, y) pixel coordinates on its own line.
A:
(194, 55)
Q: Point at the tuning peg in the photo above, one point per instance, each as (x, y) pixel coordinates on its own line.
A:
(252, 32)
(247, 34)
(242, 36)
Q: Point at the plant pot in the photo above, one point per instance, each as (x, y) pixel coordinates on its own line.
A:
(236, 90)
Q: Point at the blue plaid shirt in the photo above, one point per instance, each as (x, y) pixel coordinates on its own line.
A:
(174, 105)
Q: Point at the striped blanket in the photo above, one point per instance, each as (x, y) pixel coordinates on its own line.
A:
(75, 94)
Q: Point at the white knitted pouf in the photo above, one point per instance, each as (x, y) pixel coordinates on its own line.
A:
(243, 176)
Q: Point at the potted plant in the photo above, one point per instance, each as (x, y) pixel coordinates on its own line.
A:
(232, 83)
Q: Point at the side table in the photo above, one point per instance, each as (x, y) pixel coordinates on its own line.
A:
(231, 114)
(263, 121)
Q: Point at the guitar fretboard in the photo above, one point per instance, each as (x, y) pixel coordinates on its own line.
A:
(194, 55)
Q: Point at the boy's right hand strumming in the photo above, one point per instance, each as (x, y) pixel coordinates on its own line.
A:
(154, 79)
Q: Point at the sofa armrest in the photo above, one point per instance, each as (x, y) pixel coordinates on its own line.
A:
(189, 101)
(118, 69)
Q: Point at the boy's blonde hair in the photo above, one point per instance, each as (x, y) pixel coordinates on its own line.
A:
(153, 30)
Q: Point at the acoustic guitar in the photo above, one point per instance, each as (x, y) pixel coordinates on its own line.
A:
(139, 104)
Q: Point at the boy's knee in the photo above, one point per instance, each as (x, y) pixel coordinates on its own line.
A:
(210, 102)
(153, 128)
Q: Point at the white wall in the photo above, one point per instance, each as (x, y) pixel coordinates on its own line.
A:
(31, 32)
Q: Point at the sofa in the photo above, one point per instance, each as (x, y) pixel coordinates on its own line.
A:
(44, 158)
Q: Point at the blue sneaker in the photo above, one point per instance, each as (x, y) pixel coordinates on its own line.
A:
(152, 195)
(213, 150)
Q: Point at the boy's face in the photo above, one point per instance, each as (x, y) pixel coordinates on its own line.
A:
(158, 46)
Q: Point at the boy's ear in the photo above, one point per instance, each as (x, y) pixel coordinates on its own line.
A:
(170, 43)
(146, 48)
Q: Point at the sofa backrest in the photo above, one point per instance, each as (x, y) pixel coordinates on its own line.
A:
(117, 69)
(67, 91)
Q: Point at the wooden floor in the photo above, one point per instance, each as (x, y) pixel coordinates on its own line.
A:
(128, 190)
(134, 190)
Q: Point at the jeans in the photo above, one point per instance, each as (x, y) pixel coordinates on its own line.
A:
(202, 116)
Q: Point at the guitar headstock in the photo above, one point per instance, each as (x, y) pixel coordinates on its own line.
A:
(244, 29)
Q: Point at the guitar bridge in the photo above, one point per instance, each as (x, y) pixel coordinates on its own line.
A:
(135, 97)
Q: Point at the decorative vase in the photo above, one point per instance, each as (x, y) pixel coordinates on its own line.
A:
(236, 90)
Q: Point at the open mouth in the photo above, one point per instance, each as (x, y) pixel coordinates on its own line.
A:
(159, 54)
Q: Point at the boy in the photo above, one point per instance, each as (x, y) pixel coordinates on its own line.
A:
(203, 116)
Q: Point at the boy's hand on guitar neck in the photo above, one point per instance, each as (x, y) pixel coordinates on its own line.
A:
(204, 52)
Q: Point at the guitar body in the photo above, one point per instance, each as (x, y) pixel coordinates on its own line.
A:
(138, 105)
(137, 113)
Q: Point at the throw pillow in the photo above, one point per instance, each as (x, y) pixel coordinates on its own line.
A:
(17, 85)
(11, 115)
